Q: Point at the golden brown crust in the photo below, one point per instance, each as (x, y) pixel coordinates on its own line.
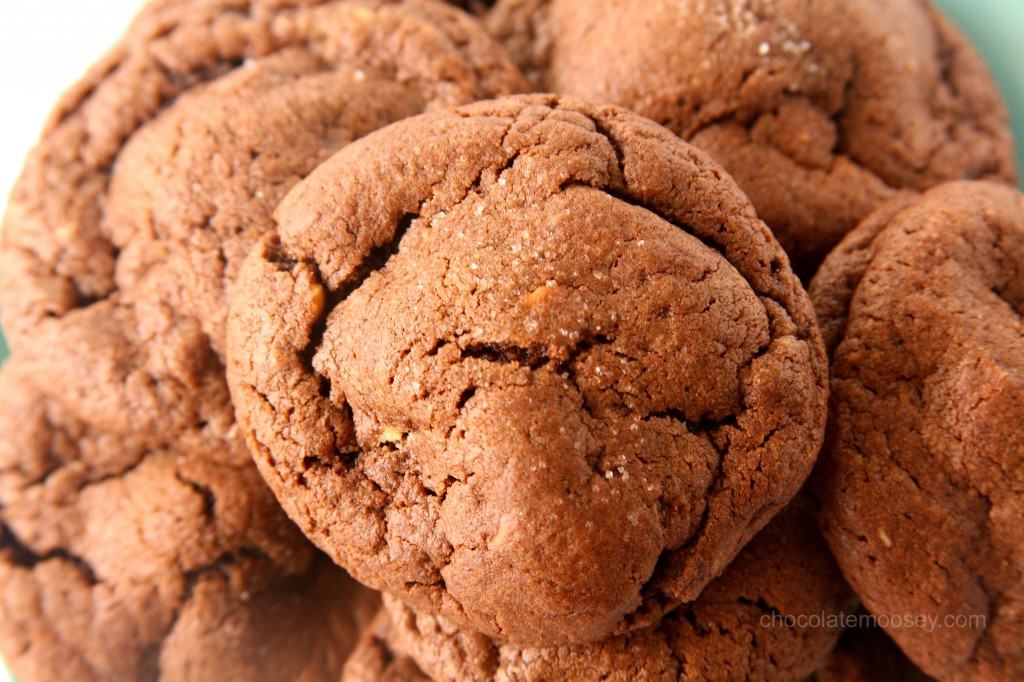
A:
(454, 300)
(921, 481)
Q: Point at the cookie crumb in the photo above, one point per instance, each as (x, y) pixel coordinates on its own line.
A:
(391, 434)
(884, 537)
(796, 48)
(539, 294)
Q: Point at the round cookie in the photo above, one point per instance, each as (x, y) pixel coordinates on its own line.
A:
(737, 630)
(120, 562)
(532, 363)
(819, 110)
(921, 482)
(160, 170)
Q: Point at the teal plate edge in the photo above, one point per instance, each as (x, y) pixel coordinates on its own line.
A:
(994, 26)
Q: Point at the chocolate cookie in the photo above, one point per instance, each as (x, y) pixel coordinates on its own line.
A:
(149, 186)
(532, 363)
(737, 630)
(820, 110)
(119, 562)
(922, 479)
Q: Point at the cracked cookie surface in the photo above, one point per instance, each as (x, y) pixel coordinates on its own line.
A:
(121, 561)
(726, 635)
(821, 111)
(531, 363)
(161, 169)
(921, 481)
(154, 177)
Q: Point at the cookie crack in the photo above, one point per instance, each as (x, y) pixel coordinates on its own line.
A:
(374, 261)
(653, 589)
(703, 426)
(763, 606)
(205, 493)
(378, 258)
(192, 578)
(624, 196)
(962, 486)
(22, 556)
(533, 357)
(80, 486)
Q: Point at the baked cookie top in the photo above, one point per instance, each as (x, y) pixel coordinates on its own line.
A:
(122, 562)
(159, 171)
(533, 363)
(922, 479)
(737, 629)
(819, 110)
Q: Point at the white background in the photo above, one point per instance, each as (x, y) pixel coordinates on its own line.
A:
(45, 46)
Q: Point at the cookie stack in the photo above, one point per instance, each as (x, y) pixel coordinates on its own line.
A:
(307, 304)
(138, 539)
